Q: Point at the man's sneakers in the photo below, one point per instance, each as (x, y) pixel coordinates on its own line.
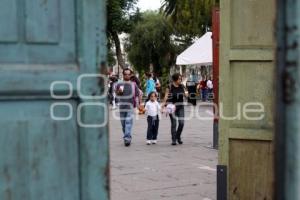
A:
(149, 142)
(154, 141)
(127, 143)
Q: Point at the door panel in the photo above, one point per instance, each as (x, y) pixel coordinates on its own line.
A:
(41, 156)
(257, 86)
(247, 84)
(248, 162)
(43, 21)
(252, 23)
(43, 32)
(8, 21)
(31, 79)
(45, 153)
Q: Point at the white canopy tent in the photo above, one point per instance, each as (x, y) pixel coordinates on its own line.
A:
(199, 53)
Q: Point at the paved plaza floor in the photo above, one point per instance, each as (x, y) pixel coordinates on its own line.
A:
(162, 171)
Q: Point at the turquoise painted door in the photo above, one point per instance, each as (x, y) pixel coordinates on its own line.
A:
(287, 163)
(54, 135)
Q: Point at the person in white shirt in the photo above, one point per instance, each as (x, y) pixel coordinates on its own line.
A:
(210, 84)
(152, 108)
(210, 87)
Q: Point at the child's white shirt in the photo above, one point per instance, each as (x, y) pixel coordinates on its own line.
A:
(152, 108)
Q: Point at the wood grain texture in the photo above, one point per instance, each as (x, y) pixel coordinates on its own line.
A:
(247, 76)
(251, 170)
(252, 27)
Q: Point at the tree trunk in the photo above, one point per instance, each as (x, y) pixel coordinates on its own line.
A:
(120, 58)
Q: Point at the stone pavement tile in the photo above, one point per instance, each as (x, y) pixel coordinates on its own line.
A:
(163, 171)
(188, 192)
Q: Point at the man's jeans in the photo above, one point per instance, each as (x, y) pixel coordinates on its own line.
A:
(127, 122)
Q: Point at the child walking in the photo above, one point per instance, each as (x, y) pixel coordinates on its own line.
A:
(152, 108)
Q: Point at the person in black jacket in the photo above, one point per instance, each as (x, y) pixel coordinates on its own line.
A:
(175, 94)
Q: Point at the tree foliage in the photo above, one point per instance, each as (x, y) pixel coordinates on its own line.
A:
(120, 15)
(189, 17)
(110, 54)
(120, 19)
(150, 43)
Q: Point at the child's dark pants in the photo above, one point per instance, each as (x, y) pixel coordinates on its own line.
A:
(153, 124)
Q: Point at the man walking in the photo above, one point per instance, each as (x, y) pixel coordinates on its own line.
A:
(127, 92)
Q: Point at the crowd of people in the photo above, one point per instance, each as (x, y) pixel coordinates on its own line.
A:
(205, 88)
(128, 94)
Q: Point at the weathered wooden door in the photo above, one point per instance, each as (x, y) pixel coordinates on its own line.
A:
(247, 97)
(53, 138)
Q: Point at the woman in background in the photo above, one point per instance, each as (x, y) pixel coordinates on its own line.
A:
(150, 84)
